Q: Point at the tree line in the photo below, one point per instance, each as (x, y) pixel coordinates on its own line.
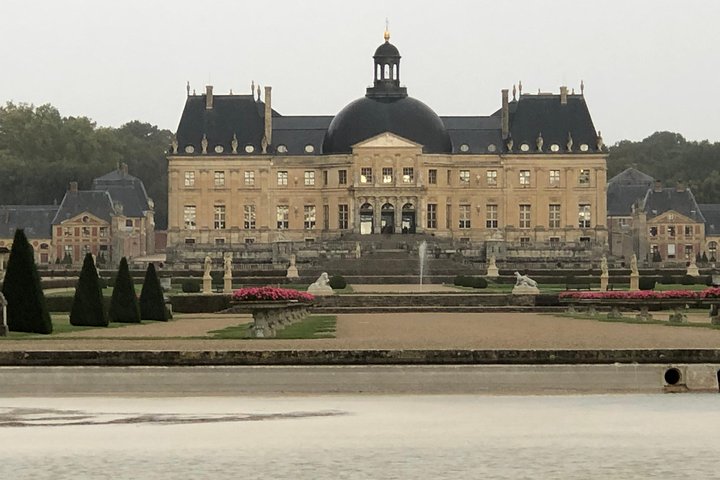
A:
(41, 152)
(670, 158)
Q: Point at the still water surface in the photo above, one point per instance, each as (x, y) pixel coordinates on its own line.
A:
(362, 437)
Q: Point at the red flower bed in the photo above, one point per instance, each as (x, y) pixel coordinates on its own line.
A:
(271, 294)
(644, 295)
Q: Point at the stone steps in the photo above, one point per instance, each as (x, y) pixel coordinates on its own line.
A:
(432, 309)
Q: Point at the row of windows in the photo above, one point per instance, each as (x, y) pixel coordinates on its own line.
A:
(491, 216)
(86, 231)
(309, 216)
(282, 217)
(673, 230)
(387, 177)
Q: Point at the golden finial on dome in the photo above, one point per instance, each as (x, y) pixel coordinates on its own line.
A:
(386, 35)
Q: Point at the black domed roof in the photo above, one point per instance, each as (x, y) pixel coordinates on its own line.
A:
(367, 117)
(387, 49)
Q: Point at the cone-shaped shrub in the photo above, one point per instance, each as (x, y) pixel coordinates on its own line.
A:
(87, 308)
(124, 304)
(27, 311)
(152, 302)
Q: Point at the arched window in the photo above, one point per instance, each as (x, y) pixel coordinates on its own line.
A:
(394, 72)
(712, 250)
(378, 72)
(386, 75)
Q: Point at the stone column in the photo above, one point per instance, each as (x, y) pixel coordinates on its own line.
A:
(376, 215)
(398, 214)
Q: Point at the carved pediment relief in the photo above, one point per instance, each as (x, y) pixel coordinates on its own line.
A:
(387, 140)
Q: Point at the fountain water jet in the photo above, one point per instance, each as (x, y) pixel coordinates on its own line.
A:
(422, 252)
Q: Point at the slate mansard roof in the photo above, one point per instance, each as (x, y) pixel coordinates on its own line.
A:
(679, 200)
(626, 189)
(711, 212)
(34, 219)
(125, 189)
(386, 107)
(96, 203)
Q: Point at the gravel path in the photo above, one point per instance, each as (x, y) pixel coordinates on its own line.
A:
(394, 331)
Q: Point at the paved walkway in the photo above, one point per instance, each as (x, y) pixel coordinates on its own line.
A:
(393, 331)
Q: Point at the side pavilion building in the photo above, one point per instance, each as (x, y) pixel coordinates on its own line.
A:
(529, 178)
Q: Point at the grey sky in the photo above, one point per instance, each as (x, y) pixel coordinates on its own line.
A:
(648, 65)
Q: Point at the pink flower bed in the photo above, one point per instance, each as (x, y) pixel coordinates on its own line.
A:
(271, 294)
(713, 292)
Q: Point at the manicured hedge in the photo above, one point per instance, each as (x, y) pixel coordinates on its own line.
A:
(199, 303)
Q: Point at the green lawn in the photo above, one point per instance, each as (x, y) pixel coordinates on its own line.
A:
(313, 326)
(61, 324)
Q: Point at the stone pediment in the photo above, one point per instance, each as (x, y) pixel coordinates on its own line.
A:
(80, 219)
(671, 216)
(387, 140)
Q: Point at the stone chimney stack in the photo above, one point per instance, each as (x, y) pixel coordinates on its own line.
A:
(680, 187)
(563, 95)
(124, 168)
(208, 97)
(268, 115)
(505, 115)
(658, 186)
(73, 187)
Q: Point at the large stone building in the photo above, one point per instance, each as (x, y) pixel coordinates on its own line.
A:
(531, 176)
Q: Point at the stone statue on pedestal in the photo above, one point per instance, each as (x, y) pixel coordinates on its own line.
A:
(492, 269)
(604, 274)
(292, 271)
(207, 279)
(524, 285)
(634, 274)
(321, 286)
(227, 277)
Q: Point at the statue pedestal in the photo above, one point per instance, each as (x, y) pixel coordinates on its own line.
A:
(227, 284)
(292, 273)
(525, 290)
(692, 270)
(604, 282)
(207, 284)
(492, 272)
(320, 290)
(634, 282)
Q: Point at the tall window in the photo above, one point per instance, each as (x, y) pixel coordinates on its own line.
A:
(408, 175)
(250, 178)
(524, 216)
(464, 216)
(554, 220)
(387, 175)
(366, 175)
(190, 179)
(189, 217)
(491, 216)
(325, 177)
(448, 216)
(249, 217)
(283, 217)
(309, 178)
(671, 250)
(584, 177)
(464, 176)
(491, 176)
(554, 178)
(309, 217)
(432, 176)
(525, 178)
(342, 177)
(219, 179)
(282, 177)
(219, 219)
(584, 215)
(432, 215)
(343, 216)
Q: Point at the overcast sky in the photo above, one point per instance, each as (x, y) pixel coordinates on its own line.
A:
(648, 65)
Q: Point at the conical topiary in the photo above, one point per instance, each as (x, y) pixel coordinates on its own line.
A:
(26, 310)
(124, 304)
(152, 301)
(87, 308)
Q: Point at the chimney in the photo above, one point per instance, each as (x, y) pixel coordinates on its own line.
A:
(268, 115)
(563, 95)
(658, 186)
(680, 187)
(208, 97)
(505, 115)
(73, 187)
(124, 168)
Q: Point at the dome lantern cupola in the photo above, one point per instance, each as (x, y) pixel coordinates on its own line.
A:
(386, 73)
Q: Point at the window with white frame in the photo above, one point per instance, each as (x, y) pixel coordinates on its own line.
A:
(342, 177)
(283, 217)
(250, 178)
(282, 177)
(190, 178)
(189, 217)
(554, 178)
(366, 175)
(343, 216)
(408, 175)
(432, 215)
(554, 216)
(464, 212)
(584, 215)
(309, 178)
(491, 176)
(671, 250)
(524, 216)
(219, 179)
(491, 216)
(387, 175)
(464, 176)
(525, 178)
(219, 217)
(584, 177)
(249, 217)
(309, 217)
(432, 176)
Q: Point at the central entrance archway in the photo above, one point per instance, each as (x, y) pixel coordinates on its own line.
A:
(387, 218)
(408, 218)
(366, 219)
